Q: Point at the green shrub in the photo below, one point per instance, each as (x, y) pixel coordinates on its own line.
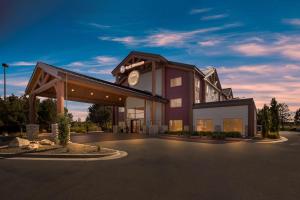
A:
(273, 136)
(219, 135)
(63, 129)
(205, 133)
(233, 134)
(195, 133)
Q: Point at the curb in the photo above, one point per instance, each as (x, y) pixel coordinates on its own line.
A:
(119, 154)
(282, 139)
(58, 156)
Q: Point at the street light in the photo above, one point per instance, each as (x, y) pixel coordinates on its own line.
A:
(4, 65)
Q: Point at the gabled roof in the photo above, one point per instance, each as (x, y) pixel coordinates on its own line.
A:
(227, 92)
(156, 57)
(56, 70)
(209, 71)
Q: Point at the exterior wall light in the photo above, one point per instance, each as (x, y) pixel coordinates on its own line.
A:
(72, 90)
(120, 99)
(106, 96)
(92, 93)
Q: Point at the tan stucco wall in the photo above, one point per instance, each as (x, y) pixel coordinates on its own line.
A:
(217, 114)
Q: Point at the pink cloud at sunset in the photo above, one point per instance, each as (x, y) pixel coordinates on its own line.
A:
(264, 82)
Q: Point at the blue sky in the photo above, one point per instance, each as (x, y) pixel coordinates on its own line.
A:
(255, 45)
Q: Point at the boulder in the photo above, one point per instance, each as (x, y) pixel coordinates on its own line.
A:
(32, 146)
(19, 142)
(46, 142)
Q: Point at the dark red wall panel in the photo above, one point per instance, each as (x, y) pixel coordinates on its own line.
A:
(182, 91)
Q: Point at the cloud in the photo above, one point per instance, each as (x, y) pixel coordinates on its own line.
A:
(15, 82)
(209, 43)
(97, 61)
(212, 17)
(253, 49)
(76, 64)
(101, 26)
(165, 38)
(23, 63)
(257, 69)
(106, 60)
(100, 71)
(285, 46)
(128, 40)
(264, 82)
(99, 65)
(293, 21)
(200, 10)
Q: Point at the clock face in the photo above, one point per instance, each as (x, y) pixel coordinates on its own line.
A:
(133, 78)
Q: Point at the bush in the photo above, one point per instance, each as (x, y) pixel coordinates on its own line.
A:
(219, 135)
(205, 133)
(195, 133)
(233, 134)
(63, 129)
(273, 136)
(216, 135)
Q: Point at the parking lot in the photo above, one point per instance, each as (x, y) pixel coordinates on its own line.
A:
(163, 169)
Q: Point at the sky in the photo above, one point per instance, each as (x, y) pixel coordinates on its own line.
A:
(254, 44)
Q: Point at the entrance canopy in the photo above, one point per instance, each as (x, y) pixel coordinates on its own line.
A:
(54, 82)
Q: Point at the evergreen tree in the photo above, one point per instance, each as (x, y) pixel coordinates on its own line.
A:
(13, 113)
(274, 113)
(265, 120)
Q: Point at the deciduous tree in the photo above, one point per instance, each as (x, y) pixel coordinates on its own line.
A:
(284, 114)
(297, 117)
(99, 114)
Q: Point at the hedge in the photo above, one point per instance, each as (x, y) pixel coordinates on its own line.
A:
(215, 134)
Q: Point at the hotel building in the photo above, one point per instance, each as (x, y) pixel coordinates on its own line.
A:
(150, 95)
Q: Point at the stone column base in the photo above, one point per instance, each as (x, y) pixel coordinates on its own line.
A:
(54, 131)
(32, 131)
(115, 129)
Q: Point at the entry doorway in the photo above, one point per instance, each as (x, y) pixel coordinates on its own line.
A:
(135, 125)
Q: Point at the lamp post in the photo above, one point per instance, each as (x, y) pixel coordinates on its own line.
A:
(4, 65)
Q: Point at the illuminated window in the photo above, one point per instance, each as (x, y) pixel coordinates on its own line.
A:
(176, 103)
(233, 125)
(175, 125)
(205, 125)
(197, 90)
(174, 82)
(135, 113)
(121, 109)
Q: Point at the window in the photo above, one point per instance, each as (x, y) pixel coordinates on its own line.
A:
(121, 109)
(197, 90)
(174, 82)
(175, 125)
(176, 103)
(135, 113)
(233, 125)
(205, 125)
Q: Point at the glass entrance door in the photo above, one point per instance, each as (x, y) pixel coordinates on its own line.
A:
(135, 126)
